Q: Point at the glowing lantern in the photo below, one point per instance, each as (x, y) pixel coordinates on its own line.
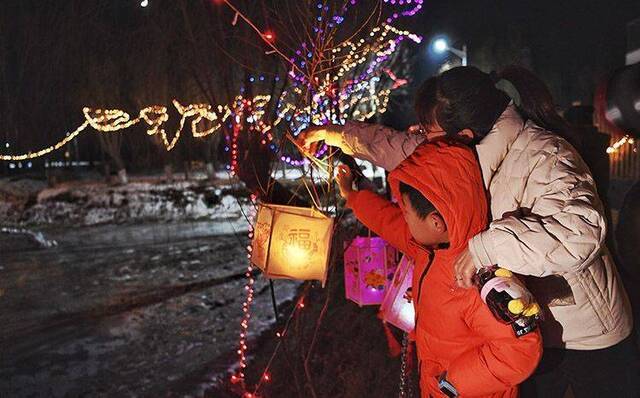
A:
(292, 242)
(369, 264)
(397, 306)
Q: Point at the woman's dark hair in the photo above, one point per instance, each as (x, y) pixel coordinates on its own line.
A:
(420, 204)
(536, 101)
(460, 98)
(467, 98)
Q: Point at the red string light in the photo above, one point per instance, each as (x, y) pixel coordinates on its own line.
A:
(269, 35)
(238, 377)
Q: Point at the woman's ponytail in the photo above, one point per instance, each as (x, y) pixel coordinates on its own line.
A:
(536, 102)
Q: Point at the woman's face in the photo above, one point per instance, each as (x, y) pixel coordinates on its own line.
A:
(432, 131)
(435, 131)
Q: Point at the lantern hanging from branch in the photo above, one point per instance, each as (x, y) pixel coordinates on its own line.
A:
(397, 306)
(292, 242)
(369, 264)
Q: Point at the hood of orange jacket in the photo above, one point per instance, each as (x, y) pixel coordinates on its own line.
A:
(448, 175)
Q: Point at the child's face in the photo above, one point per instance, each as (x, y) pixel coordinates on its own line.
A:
(430, 231)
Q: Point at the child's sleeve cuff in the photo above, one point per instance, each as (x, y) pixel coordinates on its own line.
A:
(352, 200)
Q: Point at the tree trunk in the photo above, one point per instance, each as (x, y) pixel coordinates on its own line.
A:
(168, 173)
(211, 171)
(123, 179)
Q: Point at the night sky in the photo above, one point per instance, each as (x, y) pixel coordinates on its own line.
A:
(572, 44)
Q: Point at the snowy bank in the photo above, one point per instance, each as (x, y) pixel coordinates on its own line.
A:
(97, 203)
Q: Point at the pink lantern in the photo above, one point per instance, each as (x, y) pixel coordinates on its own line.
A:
(397, 306)
(369, 264)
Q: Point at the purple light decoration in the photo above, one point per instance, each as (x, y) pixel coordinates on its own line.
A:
(407, 13)
(369, 265)
(322, 151)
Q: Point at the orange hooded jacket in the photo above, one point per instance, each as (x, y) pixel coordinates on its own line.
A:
(455, 330)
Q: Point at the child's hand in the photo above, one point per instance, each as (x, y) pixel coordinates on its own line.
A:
(345, 181)
(464, 269)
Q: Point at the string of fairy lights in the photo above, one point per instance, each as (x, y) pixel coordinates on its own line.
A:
(239, 376)
(357, 97)
(615, 147)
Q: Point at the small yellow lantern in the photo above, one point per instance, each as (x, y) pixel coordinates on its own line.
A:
(292, 242)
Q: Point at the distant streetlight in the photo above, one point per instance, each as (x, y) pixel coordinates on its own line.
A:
(441, 45)
(144, 3)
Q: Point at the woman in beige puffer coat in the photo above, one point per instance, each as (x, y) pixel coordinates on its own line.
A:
(548, 223)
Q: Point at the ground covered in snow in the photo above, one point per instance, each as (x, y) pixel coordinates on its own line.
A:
(123, 311)
(137, 291)
(31, 202)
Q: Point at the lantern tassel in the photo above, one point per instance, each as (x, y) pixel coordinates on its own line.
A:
(394, 347)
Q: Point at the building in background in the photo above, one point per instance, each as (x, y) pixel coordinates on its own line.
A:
(617, 113)
(633, 42)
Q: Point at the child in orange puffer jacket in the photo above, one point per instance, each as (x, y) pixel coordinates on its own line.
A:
(463, 350)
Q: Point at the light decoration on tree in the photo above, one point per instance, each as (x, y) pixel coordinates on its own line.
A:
(369, 265)
(417, 6)
(318, 92)
(32, 155)
(116, 120)
(357, 97)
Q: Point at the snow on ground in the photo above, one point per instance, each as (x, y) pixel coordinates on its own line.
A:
(138, 309)
(141, 296)
(93, 203)
(37, 236)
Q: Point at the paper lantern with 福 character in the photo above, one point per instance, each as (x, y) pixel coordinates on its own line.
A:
(397, 306)
(292, 242)
(369, 264)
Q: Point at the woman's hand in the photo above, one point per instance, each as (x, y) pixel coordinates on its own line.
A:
(345, 181)
(464, 269)
(331, 134)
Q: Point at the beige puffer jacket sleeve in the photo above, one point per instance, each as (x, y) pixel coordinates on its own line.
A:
(563, 229)
(382, 146)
